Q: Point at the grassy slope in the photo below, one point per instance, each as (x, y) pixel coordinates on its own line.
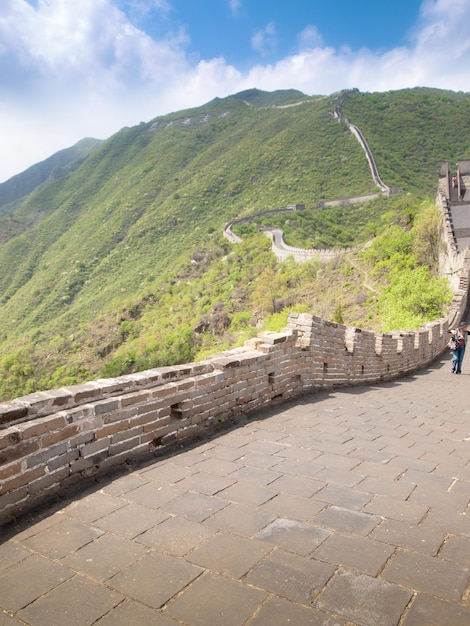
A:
(146, 197)
(107, 264)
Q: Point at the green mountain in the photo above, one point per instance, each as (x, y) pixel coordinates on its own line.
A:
(121, 264)
(54, 167)
(259, 98)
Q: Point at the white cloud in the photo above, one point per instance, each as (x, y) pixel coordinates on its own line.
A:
(235, 5)
(310, 37)
(264, 41)
(72, 69)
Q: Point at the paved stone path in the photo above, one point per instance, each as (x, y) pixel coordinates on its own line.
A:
(350, 507)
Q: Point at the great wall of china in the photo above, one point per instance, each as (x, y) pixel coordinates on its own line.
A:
(58, 438)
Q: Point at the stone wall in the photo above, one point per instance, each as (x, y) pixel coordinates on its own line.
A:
(54, 439)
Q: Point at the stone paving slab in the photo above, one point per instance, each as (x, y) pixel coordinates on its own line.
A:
(346, 508)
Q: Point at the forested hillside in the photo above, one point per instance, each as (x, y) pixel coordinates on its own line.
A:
(121, 265)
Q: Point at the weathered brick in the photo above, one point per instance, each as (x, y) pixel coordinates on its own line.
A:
(48, 480)
(106, 406)
(63, 460)
(122, 446)
(141, 451)
(13, 497)
(44, 455)
(9, 437)
(59, 435)
(112, 429)
(10, 470)
(80, 439)
(135, 398)
(11, 411)
(18, 451)
(119, 416)
(94, 447)
(22, 479)
(150, 418)
(42, 425)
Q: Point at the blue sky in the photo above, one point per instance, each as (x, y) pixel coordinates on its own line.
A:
(244, 32)
(78, 68)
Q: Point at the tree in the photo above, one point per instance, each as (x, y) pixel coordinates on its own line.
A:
(427, 236)
(267, 290)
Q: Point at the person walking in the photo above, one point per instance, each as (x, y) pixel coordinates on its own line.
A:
(460, 335)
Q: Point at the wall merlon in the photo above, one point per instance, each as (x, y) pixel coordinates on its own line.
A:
(84, 393)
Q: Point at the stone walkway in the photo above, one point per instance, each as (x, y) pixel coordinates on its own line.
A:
(344, 508)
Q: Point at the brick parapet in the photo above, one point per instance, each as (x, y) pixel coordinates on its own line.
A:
(59, 437)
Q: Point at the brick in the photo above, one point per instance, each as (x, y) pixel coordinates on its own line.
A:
(10, 470)
(106, 406)
(11, 411)
(59, 435)
(42, 425)
(18, 452)
(63, 460)
(95, 446)
(47, 481)
(364, 600)
(22, 479)
(127, 434)
(128, 444)
(46, 455)
(135, 398)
